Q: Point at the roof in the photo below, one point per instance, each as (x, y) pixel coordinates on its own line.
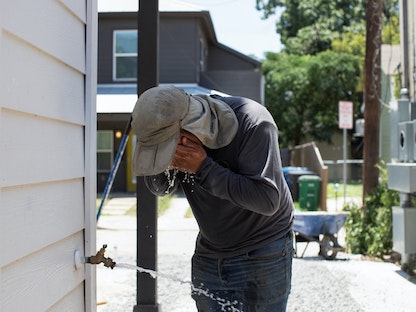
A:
(120, 99)
(173, 8)
(133, 5)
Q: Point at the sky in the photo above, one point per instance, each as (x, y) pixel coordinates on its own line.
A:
(238, 25)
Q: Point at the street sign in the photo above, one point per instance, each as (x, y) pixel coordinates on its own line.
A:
(345, 115)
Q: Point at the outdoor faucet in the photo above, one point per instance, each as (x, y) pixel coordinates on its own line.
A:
(99, 257)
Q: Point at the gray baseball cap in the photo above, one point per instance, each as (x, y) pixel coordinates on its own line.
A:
(159, 115)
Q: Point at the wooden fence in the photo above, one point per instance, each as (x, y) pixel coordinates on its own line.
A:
(308, 155)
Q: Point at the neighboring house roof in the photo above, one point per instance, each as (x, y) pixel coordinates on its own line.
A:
(116, 98)
(133, 5)
(175, 8)
(121, 98)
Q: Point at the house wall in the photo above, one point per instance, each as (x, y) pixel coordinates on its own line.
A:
(232, 74)
(178, 47)
(225, 70)
(47, 159)
(222, 58)
(387, 95)
(108, 22)
(235, 82)
(188, 54)
(179, 50)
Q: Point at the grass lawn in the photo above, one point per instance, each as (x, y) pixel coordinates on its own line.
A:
(352, 190)
(162, 205)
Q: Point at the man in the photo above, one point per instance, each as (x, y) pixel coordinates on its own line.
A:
(224, 153)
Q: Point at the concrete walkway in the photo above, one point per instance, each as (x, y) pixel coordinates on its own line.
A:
(116, 289)
(348, 283)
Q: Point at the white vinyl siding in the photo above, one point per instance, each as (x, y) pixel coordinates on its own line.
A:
(47, 162)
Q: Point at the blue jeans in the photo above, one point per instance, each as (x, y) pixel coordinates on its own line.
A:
(258, 281)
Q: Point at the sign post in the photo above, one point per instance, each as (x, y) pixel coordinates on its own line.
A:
(345, 121)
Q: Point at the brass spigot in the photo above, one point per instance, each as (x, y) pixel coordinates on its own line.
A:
(99, 258)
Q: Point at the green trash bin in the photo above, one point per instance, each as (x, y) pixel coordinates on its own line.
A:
(309, 187)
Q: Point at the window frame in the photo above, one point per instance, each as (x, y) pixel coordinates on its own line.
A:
(106, 150)
(120, 55)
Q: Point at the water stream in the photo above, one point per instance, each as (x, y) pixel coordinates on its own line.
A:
(171, 177)
(225, 305)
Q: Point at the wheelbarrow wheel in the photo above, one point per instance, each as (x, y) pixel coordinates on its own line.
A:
(328, 247)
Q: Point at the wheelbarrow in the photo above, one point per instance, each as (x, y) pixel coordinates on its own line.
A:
(321, 227)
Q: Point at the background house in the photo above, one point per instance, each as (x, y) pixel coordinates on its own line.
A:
(47, 154)
(190, 57)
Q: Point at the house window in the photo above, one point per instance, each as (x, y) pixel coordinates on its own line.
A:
(105, 144)
(125, 55)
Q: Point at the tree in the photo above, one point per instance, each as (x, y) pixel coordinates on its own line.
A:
(302, 93)
(309, 26)
(391, 31)
(352, 43)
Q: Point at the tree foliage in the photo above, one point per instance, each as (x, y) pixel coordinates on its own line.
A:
(391, 31)
(303, 91)
(309, 26)
(321, 64)
(354, 44)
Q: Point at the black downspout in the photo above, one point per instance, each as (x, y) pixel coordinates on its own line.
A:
(147, 77)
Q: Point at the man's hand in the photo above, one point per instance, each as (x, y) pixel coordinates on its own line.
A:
(189, 154)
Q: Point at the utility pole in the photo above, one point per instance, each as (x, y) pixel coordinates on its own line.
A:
(372, 91)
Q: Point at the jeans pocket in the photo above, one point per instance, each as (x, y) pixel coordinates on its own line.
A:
(279, 248)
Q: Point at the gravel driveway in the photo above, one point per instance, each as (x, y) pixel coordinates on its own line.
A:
(347, 283)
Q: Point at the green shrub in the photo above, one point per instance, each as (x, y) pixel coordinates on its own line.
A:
(369, 228)
(354, 225)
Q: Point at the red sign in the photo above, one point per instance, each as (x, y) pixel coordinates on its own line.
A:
(345, 115)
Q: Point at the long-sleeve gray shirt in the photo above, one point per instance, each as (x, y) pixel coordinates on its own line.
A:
(239, 196)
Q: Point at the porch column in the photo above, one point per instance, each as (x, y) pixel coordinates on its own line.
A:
(147, 77)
